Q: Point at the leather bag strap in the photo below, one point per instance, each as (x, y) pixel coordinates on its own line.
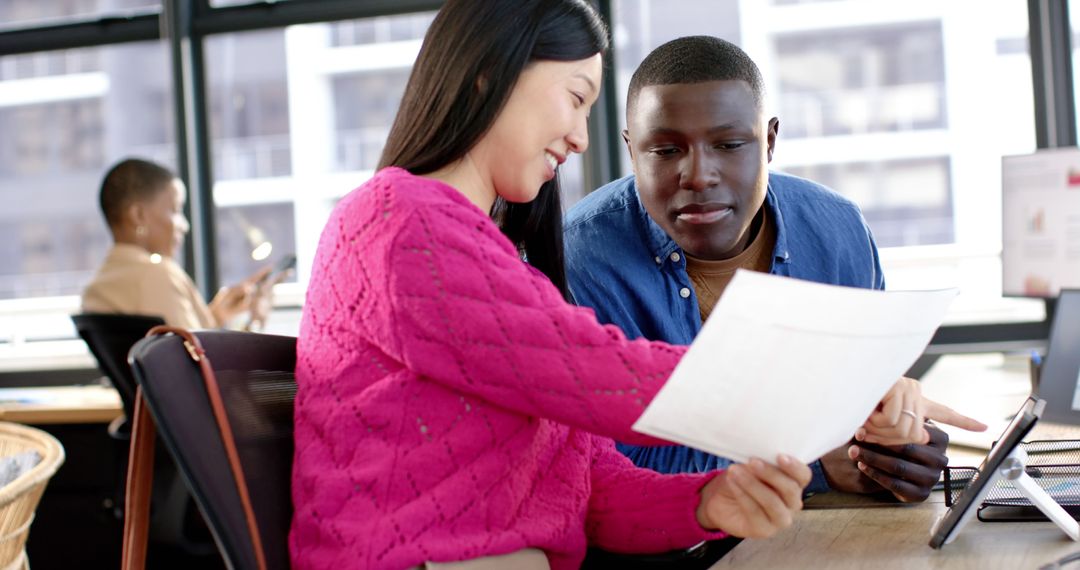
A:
(195, 350)
(140, 478)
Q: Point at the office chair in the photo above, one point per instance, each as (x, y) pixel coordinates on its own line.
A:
(109, 338)
(255, 375)
(176, 523)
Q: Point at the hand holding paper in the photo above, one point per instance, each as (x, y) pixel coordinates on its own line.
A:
(791, 367)
(754, 500)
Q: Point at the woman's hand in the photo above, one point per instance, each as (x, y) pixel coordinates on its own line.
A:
(262, 301)
(754, 500)
(901, 414)
(230, 301)
(233, 300)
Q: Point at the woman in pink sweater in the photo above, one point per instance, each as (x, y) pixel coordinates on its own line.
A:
(452, 405)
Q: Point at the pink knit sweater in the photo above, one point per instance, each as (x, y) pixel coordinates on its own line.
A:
(448, 400)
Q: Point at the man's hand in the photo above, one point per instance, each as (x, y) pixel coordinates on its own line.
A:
(909, 471)
(754, 500)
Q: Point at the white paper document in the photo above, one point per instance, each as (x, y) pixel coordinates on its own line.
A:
(790, 366)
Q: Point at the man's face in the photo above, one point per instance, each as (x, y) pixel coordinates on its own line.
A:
(700, 153)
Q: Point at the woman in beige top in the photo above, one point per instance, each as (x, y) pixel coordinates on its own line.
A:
(143, 205)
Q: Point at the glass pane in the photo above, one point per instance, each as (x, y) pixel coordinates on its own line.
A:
(298, 118)
(364, 107)
(861, 80)
(380, 30)
(886, 105)
(62, 129)
(23, 13)
(901, 199)
(242, 230)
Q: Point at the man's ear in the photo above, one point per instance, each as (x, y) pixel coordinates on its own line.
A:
(626, 141)
(774, 129)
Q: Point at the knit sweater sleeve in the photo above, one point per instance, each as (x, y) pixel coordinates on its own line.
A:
(636, 510)
(466, 312)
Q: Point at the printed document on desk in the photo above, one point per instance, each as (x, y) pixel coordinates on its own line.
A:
(790, 366)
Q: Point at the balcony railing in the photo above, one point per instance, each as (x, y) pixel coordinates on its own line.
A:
(49, 284)
(380, 30)
(858, 111)
(252, 157)
(359, 149)
(49, 63)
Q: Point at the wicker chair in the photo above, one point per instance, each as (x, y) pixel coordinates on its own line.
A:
(19, 498)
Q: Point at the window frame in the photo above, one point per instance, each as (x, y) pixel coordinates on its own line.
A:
(186, 24)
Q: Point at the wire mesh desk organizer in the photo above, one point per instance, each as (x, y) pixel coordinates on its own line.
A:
(1053, 465)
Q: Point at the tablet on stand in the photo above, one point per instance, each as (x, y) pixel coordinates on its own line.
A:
(1006, 462)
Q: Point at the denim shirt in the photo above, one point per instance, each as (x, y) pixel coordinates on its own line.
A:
(624, 266)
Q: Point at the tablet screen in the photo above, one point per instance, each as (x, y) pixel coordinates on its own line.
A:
(969, 500)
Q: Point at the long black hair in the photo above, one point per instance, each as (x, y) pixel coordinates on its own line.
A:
(471, 58)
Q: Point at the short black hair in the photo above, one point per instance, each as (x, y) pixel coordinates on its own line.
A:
(695, 59)
(131, 180)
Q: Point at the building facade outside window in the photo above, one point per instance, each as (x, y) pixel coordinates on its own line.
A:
(904, 108)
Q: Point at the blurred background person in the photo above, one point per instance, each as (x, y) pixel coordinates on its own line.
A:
(143, 205)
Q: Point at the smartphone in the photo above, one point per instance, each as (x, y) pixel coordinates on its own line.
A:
(284, 264)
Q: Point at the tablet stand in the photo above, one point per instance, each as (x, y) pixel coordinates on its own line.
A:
(1013, 470)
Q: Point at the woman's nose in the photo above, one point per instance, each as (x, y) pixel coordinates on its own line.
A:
(578, 139)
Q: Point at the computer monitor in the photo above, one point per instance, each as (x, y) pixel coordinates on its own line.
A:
(1040, 223)
(1059, 379)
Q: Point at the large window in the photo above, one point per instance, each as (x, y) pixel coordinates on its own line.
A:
(65, 117)
(889, 104)
(904, 107)
(298, 118)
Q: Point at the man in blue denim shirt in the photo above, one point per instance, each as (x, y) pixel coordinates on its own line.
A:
(652, 252)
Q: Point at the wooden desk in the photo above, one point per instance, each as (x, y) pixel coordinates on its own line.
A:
(846, 531)
(887, 537)
(60, 405)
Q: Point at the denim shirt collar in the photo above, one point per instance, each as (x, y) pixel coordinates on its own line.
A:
(662, 245)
